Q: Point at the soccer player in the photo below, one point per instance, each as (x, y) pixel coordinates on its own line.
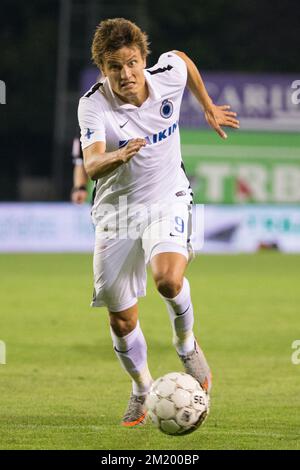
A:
(79, 193)
(131, 148)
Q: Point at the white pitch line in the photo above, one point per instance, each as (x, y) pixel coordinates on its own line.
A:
(240, 151)
(95, 428)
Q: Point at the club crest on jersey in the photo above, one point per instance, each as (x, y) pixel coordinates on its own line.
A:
(166, 109)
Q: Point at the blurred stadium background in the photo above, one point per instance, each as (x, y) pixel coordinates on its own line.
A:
(247, 52)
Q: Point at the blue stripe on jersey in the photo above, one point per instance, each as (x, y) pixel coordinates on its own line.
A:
(160, 70)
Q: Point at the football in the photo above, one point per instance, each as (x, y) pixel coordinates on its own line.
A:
(177, 404)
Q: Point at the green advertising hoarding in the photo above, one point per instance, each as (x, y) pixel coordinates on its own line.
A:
(248, 167)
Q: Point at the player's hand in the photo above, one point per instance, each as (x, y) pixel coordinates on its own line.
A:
(132, 148)
(79, 196)
(218, 116)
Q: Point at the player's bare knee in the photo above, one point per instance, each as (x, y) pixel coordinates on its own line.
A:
(121, 326)
(168, 285)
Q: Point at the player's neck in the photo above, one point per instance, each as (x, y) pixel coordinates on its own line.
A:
(138, 99)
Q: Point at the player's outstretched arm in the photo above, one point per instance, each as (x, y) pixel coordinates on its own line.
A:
(99, 163)
(216, 116)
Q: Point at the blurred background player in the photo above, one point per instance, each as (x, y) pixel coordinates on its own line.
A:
(79, 193)
(114, 117)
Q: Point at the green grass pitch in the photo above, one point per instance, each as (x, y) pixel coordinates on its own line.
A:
(63, 388)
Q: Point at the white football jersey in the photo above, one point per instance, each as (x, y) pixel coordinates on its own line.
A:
(155, 175)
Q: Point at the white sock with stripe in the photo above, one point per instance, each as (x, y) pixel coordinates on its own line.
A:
(131, 351)
(181, 314)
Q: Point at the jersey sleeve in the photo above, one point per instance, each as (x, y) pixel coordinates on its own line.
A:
(91, 122)
(176, 65)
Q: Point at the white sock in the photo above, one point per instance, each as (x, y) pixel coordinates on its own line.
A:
(181, 314)
(132, 353)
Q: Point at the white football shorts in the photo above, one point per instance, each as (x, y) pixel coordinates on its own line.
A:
(120, 260)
